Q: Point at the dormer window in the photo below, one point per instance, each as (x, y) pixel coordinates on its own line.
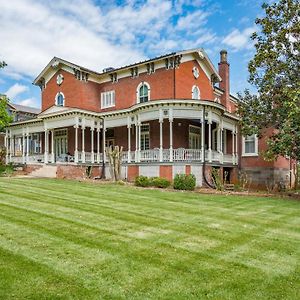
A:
(143, 92)
(195, 93)
(60, 99)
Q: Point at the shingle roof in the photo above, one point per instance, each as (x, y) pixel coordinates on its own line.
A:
(23, 108)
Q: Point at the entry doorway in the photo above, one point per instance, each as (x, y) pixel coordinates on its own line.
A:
(61, 144)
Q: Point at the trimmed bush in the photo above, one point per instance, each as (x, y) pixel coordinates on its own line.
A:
(142, 181)
(185, 182)
(159, 182)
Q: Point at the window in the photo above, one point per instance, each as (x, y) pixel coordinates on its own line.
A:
(194, 137)
(250, 145)
(145, 137)
(36, 143)
(143, 92)
(108, 99)
(60, 99)
(195, 93)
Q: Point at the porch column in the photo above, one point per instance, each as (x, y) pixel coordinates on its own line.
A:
(161, 140)
(171, 139)
(209, 143)
(82, 151)
(46, 145)
(103, 144)
(98, 145)
(92, 145)
(52, 147)
(233, 144)
(236, 146)
(139, 142)
(202, 140)
(27, 147)
(221, 143)
(136, 142)
(129, 144)
(23, 148)
(76, 145)
(10, 146)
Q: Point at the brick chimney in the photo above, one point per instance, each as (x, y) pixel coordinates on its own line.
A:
(224, 73)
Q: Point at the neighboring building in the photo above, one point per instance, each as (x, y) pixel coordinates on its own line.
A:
(19, 113)
(22, 112)
(166, 112)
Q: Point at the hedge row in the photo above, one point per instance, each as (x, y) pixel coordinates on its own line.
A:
(181, 182)
(145, 181)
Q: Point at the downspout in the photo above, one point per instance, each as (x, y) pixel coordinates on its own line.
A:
(203, 169)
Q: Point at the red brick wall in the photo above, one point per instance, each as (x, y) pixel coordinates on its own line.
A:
(132, 172)
(125, 88)
(79, 94)
(74, 172)
(185, 80)
(166, 172)
(86, 95)
(258, 161)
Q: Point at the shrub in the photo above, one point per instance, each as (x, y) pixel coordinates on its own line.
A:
(142, 181)
(159, 182)
(217, 179)
(185, 182)
(6, 170)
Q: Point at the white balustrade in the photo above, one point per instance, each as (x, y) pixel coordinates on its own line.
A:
(36, 158)
(150, 155)
(182, 154)
(215, 156)
(227, 158)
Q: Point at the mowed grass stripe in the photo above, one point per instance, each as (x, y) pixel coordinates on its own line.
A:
(128, 243)
(193, 213)
(116, 218)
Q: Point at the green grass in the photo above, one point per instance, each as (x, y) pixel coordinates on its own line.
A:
(69, 240)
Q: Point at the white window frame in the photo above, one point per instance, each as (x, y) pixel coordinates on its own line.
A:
(255, 153)
(56, 99)
(195, 135)
(138, 91)
(108, 99)
(145, 134)
(195, 87)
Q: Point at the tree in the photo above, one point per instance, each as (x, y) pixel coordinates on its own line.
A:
(5, 118)
(2, 64)
(275, 72)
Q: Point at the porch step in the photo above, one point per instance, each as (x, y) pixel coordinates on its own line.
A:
(45, 172)
(229, 187)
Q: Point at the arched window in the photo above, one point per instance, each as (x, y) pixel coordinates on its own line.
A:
(143, 92)
(60, 99)
(195, 93)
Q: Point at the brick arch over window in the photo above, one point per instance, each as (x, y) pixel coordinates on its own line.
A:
(143, 92)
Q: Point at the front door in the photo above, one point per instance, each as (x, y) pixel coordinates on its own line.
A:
(61, 145)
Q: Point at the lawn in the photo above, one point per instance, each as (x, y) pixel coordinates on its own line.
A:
(71, 240)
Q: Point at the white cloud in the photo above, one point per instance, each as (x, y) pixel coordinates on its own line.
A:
(192, 20)
(16, 90)
(96, 37)
(238, 40)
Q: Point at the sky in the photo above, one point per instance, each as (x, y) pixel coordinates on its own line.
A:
(99, 34)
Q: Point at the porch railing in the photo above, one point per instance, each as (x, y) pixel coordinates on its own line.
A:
(151, 155)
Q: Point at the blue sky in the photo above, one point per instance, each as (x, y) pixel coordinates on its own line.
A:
(98, 34)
